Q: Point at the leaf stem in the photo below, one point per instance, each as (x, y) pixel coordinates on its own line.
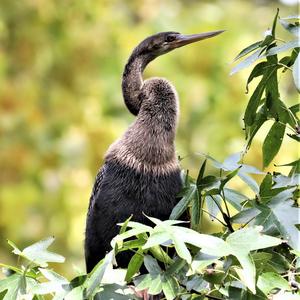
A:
(214, 217)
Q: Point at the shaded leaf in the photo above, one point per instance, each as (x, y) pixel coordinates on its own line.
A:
(134, 265)
(272, 142)
(151, 265)
(182, 205)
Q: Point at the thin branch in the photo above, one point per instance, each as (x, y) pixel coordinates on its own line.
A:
(214, 217)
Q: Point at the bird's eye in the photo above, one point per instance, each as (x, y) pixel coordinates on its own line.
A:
(170, 38)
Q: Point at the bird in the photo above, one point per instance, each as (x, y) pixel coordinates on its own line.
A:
(141, 173)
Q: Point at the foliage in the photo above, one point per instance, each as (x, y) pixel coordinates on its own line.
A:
(256, 255)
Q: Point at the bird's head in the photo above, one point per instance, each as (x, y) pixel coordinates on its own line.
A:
(165, 42)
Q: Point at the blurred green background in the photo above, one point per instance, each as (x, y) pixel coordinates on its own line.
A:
(61, 104)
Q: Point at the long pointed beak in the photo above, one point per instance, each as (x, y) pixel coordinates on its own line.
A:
(183, 40)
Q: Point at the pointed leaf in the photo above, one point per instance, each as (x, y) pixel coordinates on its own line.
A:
(134, 265)
(97, 274)
(246, 62)
(182, 205)
(272, 142)
(151, 265)
(248, 49)
(39, 254)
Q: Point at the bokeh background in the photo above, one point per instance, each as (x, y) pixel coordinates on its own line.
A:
(61, 104)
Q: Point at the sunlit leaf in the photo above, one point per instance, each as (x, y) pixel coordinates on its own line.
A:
(290, 27)
(284, 47)
(248, 49)
(246, 62)
(296, 72)
(268, 281)
(97, 274)
(39, 254)
(170, 287)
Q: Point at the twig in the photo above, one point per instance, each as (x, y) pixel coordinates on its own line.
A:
(214, 217)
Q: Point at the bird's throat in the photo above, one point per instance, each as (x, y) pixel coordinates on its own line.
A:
(133, 81)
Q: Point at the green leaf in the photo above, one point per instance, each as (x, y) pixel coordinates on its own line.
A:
(228, 177)
(15, 286)
(161, 255)
(16, 250)
(124, 225)
(181, 248)
(296, 72)
(292, 17)
(201, 172)
(268, 281)
(39, 254)
(157, 238)
(211, 205)
(95, 278)
(115, 292)
(295, 164)
(245, 216)
(155, 286)
(272, 142)
(258, 70)
(55, 284)
(284, 47)
(75, 294)
(151, 265)
(234, 198)
(246, 62)
(175, 267)
(266, 186)
(248, 49)
(182, 205)
(201, 261)
(284, 216)
(259, 119)
(170, 287)
(250, 112)
(196, 210)
(12, 285)
(241, 243)
(274, 23)
(250, 182)
(134, 265)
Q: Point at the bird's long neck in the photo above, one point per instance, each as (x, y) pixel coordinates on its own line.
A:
(133, 81)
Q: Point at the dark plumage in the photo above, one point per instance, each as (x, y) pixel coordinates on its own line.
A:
(141, 173)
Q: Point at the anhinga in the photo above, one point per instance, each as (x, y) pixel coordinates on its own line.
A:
(141, 172)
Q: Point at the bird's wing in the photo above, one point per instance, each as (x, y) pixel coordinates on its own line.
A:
(97, 184)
